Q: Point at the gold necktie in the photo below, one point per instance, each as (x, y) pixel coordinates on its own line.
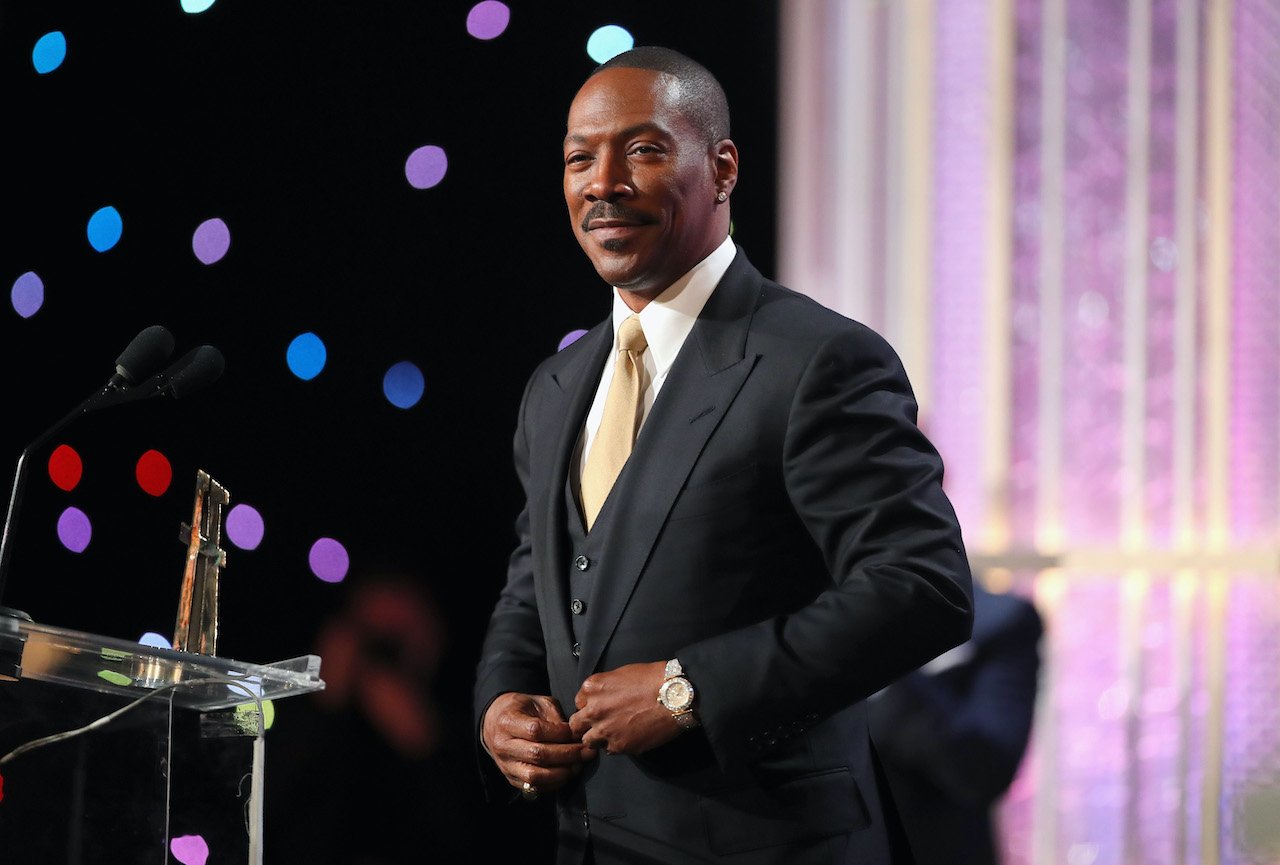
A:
(618, 425)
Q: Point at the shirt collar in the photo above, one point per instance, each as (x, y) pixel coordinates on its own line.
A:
(668, 318)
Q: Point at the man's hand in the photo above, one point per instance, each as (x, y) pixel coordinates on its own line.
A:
(619, 710)
(531, 742)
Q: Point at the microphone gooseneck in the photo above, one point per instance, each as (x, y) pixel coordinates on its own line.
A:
(137, 376)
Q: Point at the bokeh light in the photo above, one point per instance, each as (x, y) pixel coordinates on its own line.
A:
(211, 240)
(245, 527)
(190, 849)
(74, 530)
(105, 228)
(608, 42)
(570, 338)
(306, 356)
(156, 641)
(27, 295)
(329, 560)
(65, 467)
(403, 384)
(247, 715)
(154, 473)
(195, 7)
(426, 166)
(49, 52)
(488, 20)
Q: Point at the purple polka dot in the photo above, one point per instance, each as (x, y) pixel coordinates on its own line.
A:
(190, 849)
(570, 338)
(27, 295)
(488, 20)
(426, 166)
(245, 527)
(329, 560)
(74, 530)
(211, 240)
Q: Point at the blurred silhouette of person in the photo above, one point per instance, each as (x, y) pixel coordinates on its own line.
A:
(952, 734)
(365, 771)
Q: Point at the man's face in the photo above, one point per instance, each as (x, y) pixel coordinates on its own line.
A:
(641, 182)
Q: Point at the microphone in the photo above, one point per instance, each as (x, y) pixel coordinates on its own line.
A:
(135, 378)
(141, 357)
(195, 370)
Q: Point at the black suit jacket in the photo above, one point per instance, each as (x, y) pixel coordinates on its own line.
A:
(952, 735)
(781, 528)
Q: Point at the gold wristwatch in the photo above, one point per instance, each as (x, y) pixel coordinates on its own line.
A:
(677, 695)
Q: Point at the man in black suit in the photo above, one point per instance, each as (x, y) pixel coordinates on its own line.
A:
(682, 655)
(953, 733)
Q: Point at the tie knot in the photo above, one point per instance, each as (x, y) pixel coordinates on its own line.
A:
(631, 335)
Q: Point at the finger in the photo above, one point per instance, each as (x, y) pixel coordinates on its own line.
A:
(594, 741)
(548, 708)
(546, 755)
(535, 729)
(545, 780)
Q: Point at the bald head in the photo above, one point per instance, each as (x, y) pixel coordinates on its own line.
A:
(698, 95)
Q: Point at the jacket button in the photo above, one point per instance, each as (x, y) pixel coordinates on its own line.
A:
(582, 563)
(577, 606)
(577, 649)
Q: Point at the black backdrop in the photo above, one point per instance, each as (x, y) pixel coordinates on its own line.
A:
(292, 121)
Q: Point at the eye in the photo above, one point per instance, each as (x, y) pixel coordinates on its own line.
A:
(574, 158)
(645, 150)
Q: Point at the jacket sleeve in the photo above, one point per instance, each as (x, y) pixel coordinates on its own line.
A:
(867, 486)
(513, 656)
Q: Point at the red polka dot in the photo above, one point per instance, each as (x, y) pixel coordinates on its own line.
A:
(65, 467)
(154, 473)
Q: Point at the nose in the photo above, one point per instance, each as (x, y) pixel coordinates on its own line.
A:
(610, 180)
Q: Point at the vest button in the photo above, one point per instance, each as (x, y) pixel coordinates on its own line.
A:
(577, 649)
(582, 563)
(577, 606)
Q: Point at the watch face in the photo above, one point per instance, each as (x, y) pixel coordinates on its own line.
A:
(676, 694)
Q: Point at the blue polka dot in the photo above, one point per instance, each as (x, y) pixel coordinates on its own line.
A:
(157, 641)
(608, 42)
(403, 384)
(50, 51)
(105, 228)
(306, 356)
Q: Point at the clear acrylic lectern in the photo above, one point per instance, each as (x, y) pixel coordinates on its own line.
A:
(177, 773)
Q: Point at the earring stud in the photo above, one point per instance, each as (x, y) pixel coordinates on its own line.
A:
(721, 195)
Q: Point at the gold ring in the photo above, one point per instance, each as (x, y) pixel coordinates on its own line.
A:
(529, 791)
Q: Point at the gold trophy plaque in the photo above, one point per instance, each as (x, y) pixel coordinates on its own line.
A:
(197, 624)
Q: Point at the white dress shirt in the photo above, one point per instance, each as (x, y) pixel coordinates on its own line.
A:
(666, 321)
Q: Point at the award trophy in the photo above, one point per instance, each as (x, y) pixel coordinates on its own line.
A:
(196, 629)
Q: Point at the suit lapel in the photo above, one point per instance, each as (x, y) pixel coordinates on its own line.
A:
(704, 380)
(574, 385)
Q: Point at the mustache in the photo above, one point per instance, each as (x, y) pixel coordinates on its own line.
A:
(612, 210)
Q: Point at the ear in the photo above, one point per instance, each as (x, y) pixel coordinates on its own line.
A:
(725, 154)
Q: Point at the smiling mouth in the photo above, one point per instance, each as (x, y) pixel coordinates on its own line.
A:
(614, 235)
(611, 219)
(610, 229)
